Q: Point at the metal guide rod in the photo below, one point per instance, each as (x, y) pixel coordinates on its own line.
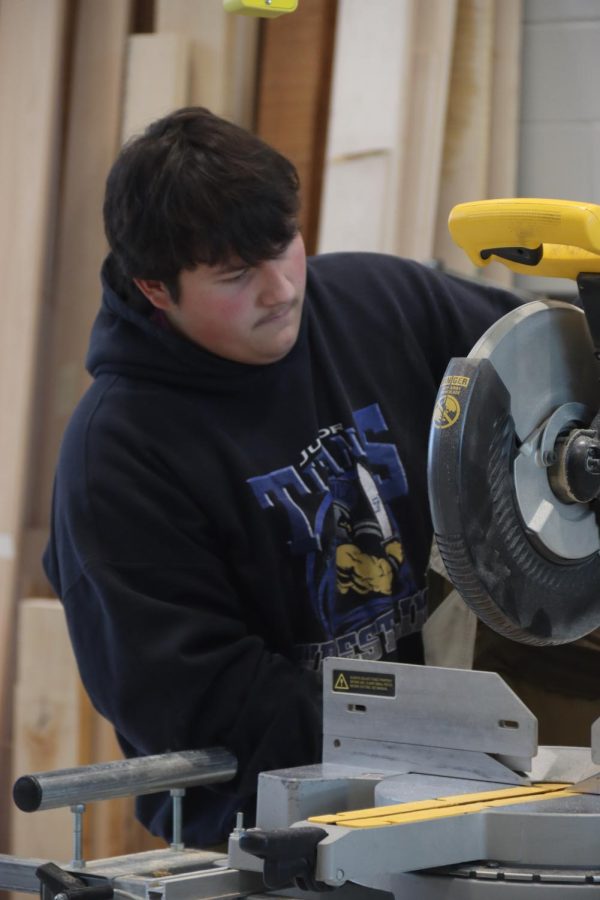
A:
(123, 778)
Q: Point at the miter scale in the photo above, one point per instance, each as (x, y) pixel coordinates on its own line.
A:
(432, 783)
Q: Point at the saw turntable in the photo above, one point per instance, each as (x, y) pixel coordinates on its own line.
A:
(432, 783)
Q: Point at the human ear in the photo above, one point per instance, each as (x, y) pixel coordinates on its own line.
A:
(156, 292)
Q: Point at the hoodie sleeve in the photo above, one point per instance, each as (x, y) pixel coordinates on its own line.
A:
(444, 314)
(428, 316)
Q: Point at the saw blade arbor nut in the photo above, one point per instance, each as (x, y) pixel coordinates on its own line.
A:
(575, 476)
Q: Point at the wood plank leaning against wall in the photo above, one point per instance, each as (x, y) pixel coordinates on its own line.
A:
(30, 111)
(94, 65)
(428, 123)
(480, 149)
(293, 93)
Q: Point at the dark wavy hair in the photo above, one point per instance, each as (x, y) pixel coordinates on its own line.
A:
(194, 188)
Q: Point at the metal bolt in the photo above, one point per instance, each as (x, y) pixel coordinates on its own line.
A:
(340, 874)
(78, 810)
(177, 795)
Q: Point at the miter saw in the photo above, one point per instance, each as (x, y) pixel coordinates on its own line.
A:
(432, 783)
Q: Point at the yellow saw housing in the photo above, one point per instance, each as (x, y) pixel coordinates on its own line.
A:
(554, 238)
(264, 9)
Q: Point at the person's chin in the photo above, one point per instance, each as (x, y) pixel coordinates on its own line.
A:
(278, 348)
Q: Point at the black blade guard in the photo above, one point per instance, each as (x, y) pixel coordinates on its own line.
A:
(507, 579)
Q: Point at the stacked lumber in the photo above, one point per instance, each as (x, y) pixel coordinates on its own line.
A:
(90, 85)
(414, 132)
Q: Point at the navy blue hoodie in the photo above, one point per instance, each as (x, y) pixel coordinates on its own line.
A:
(219, 528)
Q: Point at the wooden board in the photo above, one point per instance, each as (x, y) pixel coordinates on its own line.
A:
(157, 79)
(431, 46)
(368, 100)
(92, 139)
(91, 143)
(289, 106)
(55, 727)
(506, 93)
(47, 723)
(292, 105)
(30, 113)
(467, 137)
(355, 202)
(504, 119)
(223, 54)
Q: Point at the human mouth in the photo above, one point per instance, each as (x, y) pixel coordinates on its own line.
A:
(277, 315)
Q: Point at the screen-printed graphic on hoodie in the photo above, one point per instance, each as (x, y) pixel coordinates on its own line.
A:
(340, 501)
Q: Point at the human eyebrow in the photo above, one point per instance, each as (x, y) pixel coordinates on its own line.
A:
(232, 266)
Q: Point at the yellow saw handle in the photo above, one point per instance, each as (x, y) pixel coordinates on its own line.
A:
(555, 238)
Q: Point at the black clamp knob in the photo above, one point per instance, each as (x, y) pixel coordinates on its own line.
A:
(289, 855)
(58, 884)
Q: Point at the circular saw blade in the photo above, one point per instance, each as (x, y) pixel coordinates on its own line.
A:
(525, 562)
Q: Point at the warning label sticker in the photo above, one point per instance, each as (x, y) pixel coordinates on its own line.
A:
(376, 683)
(447, 407)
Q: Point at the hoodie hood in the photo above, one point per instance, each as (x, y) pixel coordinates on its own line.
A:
(125, 340)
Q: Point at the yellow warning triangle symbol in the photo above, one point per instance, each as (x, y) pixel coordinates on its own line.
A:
(341, 684)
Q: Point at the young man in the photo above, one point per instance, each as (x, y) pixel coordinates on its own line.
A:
(242, 490)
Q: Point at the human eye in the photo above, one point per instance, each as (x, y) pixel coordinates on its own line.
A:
(236, 275)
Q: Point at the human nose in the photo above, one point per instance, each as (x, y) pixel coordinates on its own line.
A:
(275, 288)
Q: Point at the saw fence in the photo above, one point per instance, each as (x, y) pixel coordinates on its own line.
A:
(390, 112)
